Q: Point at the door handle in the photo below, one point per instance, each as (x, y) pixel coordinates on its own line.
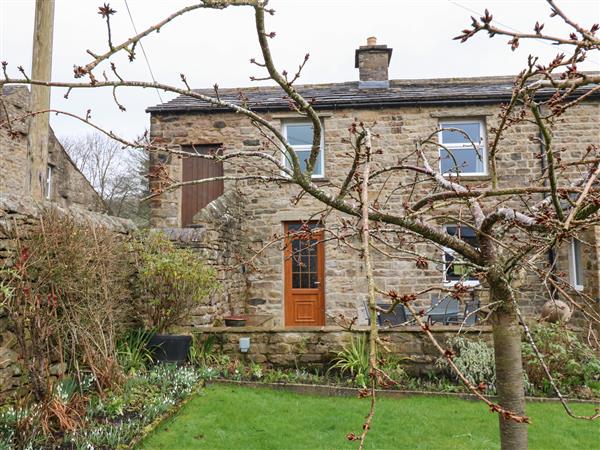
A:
(316, 283)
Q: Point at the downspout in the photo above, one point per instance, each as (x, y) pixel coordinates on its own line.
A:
(552, 257)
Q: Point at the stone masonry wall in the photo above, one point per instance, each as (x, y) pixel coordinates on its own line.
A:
(220, 241)
(69, 186)
(19, 214)
(316, 347)
(267, 207)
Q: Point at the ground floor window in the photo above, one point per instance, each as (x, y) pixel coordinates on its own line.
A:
(454, 270)
(576, 264)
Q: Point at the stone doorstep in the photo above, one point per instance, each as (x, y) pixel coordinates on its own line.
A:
(341, 391)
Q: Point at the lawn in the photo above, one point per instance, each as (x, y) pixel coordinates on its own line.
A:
(230, 417)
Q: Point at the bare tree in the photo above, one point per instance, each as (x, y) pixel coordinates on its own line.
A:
(117, 173)
(515, 227)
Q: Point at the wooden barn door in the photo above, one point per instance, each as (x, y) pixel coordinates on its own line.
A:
(304, 269)
(196, 197)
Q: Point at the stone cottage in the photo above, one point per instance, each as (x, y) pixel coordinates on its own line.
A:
(230, 220)
(65, 186)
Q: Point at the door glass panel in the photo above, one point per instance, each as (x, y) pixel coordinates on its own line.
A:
(304, 280)
(313, 263)
(304, 258)
(313, 279)
(298, 226)
(295, 280)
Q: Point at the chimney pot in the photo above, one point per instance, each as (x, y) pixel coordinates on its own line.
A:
(372, 40)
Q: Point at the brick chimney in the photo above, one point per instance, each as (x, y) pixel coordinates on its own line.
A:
(372, 61)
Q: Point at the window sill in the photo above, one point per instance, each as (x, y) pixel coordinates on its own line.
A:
(474, 177)
(316, 180)
(468, 283)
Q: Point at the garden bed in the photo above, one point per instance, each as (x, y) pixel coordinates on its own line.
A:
(114, 420)
(349, 369)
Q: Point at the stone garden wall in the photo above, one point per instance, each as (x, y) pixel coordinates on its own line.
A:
(220, 241)
(316, 347)
(17, 217)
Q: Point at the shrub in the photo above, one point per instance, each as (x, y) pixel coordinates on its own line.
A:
(392, 366)
(202, 351)
(133, 352)
(67, 297)
(354, 359)
(170, 281)
(572, 363)
(475, 360)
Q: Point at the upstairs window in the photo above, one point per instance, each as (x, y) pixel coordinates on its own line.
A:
(576, 264)
(461, 154)
(455, 270)
(299, 136)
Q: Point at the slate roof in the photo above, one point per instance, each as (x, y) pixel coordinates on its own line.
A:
(447, 91)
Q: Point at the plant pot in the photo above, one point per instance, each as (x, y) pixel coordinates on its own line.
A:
(235, 321)
(168, 348)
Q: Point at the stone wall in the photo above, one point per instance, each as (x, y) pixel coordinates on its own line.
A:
(18, 215)
(220, 241)
(267, 206)
(68, 187)
(316, 347)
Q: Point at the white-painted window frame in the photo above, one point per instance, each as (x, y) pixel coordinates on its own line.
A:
(450, 283)
(284, 159)
(481, 146)
(574, 264)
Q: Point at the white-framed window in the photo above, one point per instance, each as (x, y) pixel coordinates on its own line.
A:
(461, 154)
(456, 271)
(49, 173)
(299, 135)
(576, 269)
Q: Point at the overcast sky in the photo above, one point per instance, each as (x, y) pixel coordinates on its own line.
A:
(215, 46)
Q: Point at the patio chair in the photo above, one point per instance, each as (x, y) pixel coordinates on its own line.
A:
(368, 313)
(396, 317)
(471, 319)
(445, 310)
(393, 318)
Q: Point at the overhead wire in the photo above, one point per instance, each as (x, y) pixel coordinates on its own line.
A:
(143, 50)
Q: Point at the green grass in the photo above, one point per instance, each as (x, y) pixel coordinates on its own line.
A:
(225, 417)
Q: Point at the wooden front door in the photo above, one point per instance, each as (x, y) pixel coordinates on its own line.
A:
(194, 197)
(304, 280)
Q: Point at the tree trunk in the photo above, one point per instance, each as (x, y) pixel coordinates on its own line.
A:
(509, 368)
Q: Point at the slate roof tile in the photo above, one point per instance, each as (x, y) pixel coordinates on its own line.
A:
(447, 91)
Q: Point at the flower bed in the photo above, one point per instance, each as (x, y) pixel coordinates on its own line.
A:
(111, 421)
(578, 378)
